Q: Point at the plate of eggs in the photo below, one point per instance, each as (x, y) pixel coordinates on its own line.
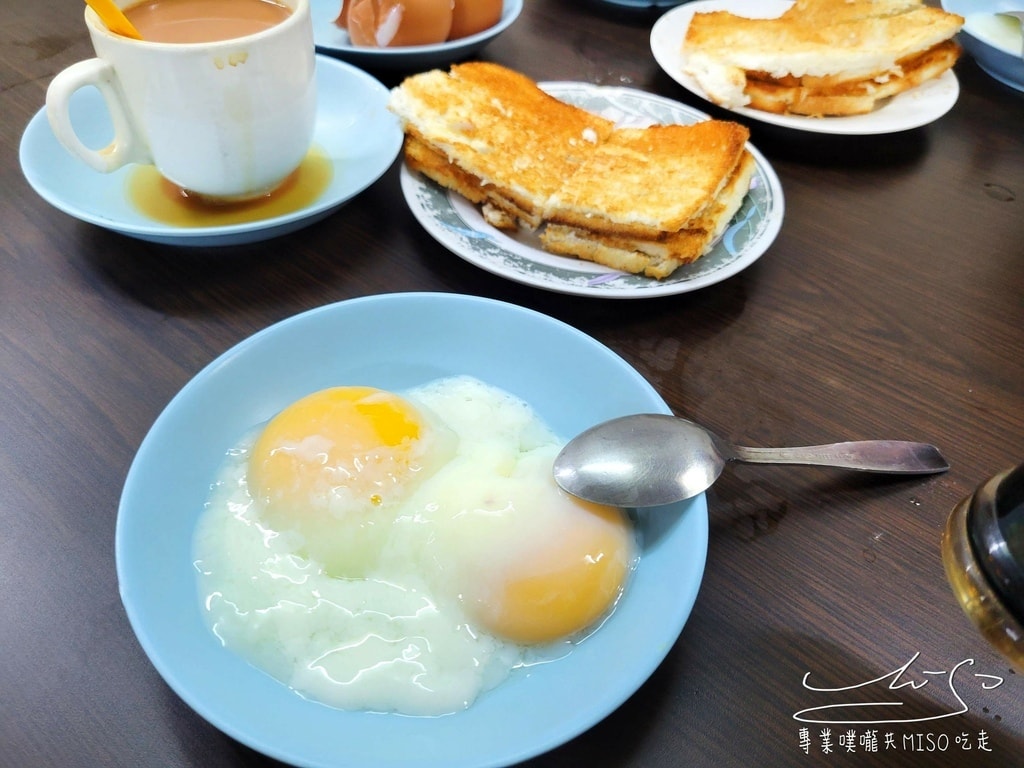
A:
(408, 34)
(341, 542)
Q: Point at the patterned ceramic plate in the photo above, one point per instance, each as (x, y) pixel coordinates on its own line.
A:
(458, 225)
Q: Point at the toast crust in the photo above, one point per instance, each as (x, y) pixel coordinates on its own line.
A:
(644, 200)
(501, 128)
(836, 95)
(820, 57)
(660, 256)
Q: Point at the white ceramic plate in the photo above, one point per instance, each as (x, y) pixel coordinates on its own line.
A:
(332, 39)
(353, 127)
(459, 226)
(394, 341)
(911, 109)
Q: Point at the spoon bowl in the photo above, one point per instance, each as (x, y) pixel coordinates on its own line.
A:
(647, 460)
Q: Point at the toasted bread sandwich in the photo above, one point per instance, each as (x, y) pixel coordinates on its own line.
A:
(820, 57)
(655, 256)
(511, 144)
(642, 200)
(665, 176)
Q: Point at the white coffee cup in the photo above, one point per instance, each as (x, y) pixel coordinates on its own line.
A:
(225, 120)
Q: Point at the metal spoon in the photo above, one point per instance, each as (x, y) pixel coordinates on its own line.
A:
(647, 460)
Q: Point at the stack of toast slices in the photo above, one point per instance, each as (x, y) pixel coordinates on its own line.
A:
(820, 58)
(640, 200)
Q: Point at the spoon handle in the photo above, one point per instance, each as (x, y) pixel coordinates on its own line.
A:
(890, 456)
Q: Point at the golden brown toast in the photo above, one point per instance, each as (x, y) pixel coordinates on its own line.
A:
(816, 13)
(659, 256)
(836, 95)
(820, 57)
(664, 177)
(423, 158)
(641, 199)
(502, 129)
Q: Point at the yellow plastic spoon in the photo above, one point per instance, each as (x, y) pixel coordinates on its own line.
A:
(114, 18)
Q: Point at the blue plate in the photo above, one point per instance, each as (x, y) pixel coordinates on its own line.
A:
(353, 127)
(394, 341)
(332, 39)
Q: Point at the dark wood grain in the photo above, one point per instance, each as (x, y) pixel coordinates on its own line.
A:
(891, 305)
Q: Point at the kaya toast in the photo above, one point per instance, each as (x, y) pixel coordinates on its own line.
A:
(511, 143)
(645, 200)
(661, 255)
(820, 57)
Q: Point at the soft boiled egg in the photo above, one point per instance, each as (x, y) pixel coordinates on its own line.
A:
(394, 23)
(332, 465)
(404, 553)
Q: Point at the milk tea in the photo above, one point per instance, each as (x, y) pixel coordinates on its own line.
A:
(226, 119)
(203, 21)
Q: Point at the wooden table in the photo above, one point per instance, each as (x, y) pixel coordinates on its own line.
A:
(890, 305)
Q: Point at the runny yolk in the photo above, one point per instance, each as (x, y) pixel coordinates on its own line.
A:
(565, 587)
(358, 440)
(325, 465)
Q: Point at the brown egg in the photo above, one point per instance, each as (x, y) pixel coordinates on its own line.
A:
(472, 16)
(392, 23)
(342, 20)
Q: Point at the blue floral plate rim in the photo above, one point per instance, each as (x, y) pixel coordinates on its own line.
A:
(459, 226)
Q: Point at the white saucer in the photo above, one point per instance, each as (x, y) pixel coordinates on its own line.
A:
(458, 225)
(910, 109)
(354, 129)
(332, 39)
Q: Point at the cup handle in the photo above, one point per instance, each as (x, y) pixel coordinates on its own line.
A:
(126, 146)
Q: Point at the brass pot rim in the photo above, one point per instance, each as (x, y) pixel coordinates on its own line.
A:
(992, 504)
(979, 601)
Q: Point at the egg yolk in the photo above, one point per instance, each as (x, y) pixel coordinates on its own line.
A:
(328, 466)
(565, 584)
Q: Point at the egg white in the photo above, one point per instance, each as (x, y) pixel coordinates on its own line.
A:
(398, 639)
